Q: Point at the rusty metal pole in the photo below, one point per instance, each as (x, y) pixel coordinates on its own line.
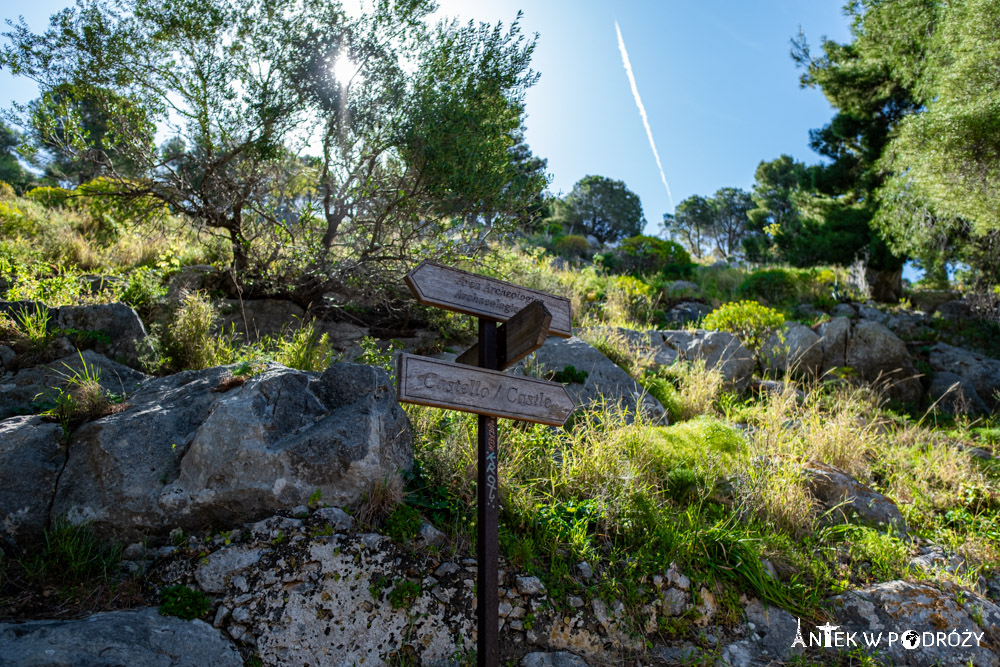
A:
(487, 550)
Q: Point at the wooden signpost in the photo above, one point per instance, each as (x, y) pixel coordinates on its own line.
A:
(475, 384)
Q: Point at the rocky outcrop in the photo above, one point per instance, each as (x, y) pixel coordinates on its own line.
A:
(22, 391)
(32, 456)
(922, 624)
(304, 590)
(605, 381)
(797, 349)
(927, 301)
(687, 312)
(953, 394)
(981, 372)
(200, 449)
(136, 637)
(718, 349)
(848, 501)
(111, 329)
(874, 353)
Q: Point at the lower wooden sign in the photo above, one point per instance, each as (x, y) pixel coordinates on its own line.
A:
(443, 384)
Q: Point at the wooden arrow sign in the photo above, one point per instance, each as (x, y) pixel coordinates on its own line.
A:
(442, 286)
(443, 384)
(517, 338)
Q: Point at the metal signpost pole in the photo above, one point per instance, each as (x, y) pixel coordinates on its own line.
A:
(487, 552)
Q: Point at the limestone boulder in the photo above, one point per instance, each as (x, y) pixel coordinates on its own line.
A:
(880, 357)
(32, 455)
(833, 340)
(980, 371)
(23, 391)
(953, 394)
(916, 613)
(850, 500)
(201, 449)
(135, 637)
(252, 319)
(718, 349)
(927, 301)
(605, 381)
(796, 349)
(687, 312)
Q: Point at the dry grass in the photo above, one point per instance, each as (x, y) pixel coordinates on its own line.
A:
(382, 498)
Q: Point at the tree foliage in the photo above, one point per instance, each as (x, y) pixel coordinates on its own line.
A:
(718, 224)
(336, 143)
(917, 133)
(604, 208)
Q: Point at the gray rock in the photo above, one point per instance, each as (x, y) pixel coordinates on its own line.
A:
(32, 456)
(928, 301)
(38, 385)
(185, 455)
(430, 536)
(808, 312)
(125, 332)
(686, 313)
(982, 372)
(880, 357)
(336, 517)
(605, 381)
(867, 312)
(584, 570)
(901, 607)
(844, 310)
(718, 349)
(530, 586)
(137, 637)
(675, 602)
(911, 326)
(214, 571)
(833, 339)
(7, 358)
(255, 318)
(558, 659)
(955, 395)
(796, 349)
(833, 487)
(955, 310)
(190, 279)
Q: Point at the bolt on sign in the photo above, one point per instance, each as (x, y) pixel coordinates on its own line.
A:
(474, 383)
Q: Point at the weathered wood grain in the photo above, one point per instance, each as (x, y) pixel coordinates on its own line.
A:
(438, 285)
(516, 338)
(443, 384)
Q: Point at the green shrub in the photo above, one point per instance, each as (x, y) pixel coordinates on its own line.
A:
(570, 375)
(772, 287)
(751, 322)
(183, 602)
(648, 254)
(571, 246)
(144, 290)
(191, 343)
(49, 197)
(403, 524)
(72, 556)
(6, 190)
(306, 349)
(404, 593)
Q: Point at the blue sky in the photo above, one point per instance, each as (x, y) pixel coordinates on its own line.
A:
(715, 76)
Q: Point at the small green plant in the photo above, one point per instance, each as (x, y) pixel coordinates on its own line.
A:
(570, 375)
(749, 321)
(191, 342)
(373, 355)
(315, 497)
(183, 602)
(403, 524)
(82, 398)
(773, 286)
(34, 328)
(306, 349)
(404, 592)
(72, 556)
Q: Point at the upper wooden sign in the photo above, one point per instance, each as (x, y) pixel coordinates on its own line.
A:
(443, 384)
(442, 286)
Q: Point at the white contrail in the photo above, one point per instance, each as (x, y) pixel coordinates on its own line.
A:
(642, 110)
